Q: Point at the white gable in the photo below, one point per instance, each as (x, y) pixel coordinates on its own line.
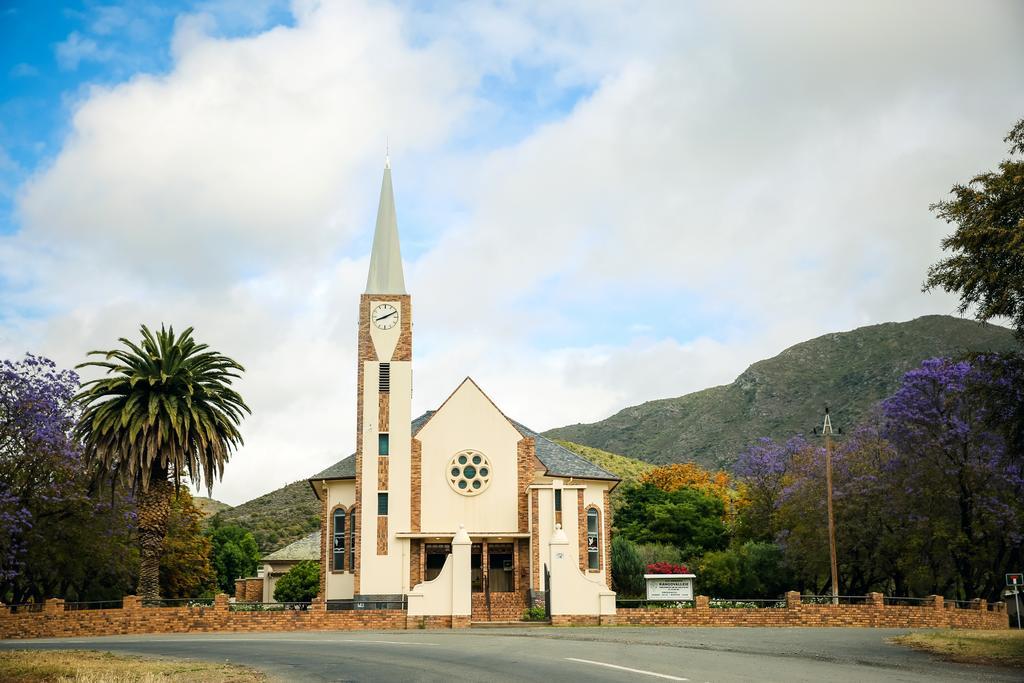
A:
(469, 421)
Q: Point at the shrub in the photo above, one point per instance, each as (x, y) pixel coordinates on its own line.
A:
(535, 613)
(627, 567)
(300, 584)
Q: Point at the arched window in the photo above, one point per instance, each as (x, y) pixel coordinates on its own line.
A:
(593, 539)
(338, 561)
(352, 540)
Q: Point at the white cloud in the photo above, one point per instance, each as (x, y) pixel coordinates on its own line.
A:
(764, 169)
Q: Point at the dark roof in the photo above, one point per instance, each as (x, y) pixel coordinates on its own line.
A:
(306, 548)
(557, 460)
(343, 469)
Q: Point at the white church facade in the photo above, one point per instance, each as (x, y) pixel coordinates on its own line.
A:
(461, 512)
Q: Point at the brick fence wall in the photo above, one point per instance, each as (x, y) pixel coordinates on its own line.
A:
(873, 613)
(249, 590)
(132, 619)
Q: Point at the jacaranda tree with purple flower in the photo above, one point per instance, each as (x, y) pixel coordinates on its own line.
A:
(55, 538)
(958, 475)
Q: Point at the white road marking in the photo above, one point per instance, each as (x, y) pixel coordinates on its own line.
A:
(626, 668)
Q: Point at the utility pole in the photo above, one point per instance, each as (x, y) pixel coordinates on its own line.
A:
(826, 430)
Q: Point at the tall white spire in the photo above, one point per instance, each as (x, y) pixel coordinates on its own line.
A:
(386, 275)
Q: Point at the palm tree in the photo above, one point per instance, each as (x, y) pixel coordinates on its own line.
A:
(164, 409)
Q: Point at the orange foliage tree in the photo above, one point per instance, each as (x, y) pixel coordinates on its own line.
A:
(689, 475)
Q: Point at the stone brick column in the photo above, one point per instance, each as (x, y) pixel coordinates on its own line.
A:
(876, 601)
(131, 603)
(702, 606)
(54, 606)
(220, 602)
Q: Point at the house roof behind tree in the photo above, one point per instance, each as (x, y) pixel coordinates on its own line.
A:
(306, 548)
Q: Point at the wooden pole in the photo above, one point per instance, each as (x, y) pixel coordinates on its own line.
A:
(831, 517)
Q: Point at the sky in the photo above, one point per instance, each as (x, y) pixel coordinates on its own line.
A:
(600, 203)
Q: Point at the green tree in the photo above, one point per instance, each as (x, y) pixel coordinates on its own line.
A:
(300, 584)
(987, 263)
(164, 410)
(627, 567)
(234, 555)
(751, 570)
(685, 518)
(185, 569)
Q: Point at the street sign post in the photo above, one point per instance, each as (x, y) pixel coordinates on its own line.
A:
(1015, 580)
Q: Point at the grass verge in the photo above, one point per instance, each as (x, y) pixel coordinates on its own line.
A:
(1003, 648)
(90, 666)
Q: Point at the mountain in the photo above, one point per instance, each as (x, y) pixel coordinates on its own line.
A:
(785, 395)
(276, 518)
(209, 506)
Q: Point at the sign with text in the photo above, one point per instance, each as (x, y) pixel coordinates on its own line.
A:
(669, 586)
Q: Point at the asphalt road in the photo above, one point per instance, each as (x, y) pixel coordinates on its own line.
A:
(556, 654)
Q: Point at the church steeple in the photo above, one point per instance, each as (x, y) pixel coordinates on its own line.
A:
(385, 276)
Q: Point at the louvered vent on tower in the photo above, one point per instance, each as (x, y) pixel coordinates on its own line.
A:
(384, 384)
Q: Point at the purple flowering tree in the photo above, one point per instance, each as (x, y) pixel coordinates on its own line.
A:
(960, 480)
(760, 472)
(55, 537)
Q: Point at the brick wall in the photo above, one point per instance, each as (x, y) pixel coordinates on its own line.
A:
(873, 614)
(55, 622)
(133, 619)
(249, 590)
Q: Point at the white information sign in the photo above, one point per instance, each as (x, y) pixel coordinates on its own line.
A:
(669, 586)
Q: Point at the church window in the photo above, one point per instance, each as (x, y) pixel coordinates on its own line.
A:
(382, 503)
(383, 444)
(593, 539)
(352, 540)
(469, 473)
(338, 561)
(384, 378)
(558, 500)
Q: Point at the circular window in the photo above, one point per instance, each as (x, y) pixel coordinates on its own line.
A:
(469, 473)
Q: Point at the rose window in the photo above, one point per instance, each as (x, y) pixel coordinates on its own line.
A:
(469, 473)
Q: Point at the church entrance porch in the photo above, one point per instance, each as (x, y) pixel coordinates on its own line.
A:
(499, 580)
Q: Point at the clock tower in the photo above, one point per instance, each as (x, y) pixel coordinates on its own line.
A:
(383, 415)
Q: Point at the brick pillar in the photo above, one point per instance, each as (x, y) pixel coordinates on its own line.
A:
(792, 599)
(54, 606)
(702, 605)
(220, 602)
(318, 604)
(876, 601)
(240, 589)
(936, 601)
(131, 602)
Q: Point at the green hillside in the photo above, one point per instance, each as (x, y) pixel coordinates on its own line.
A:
(627, 469)
(785, 395)
(277, 518)
(209, 506)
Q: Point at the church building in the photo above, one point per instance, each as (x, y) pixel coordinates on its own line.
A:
(462, 512)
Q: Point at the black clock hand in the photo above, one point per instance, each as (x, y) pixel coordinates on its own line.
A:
(386, 316)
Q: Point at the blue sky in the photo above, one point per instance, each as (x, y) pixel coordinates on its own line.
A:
(600, 204)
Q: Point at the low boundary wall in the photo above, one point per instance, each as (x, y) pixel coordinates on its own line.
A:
(54, 621)
(873, 613)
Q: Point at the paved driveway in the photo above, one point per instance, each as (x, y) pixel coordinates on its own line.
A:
(558, 654)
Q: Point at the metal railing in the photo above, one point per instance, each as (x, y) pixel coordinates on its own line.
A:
(898, 600)
(177, 602)
(93, 604)
(23, 607)
(268, 606)
(834, 599)
(627, 603)
(342, 605)
(747, 603)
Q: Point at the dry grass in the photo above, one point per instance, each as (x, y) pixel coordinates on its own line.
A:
(1003, 648)
(88, 666)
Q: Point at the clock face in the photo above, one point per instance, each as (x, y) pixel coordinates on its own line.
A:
(384, 316)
